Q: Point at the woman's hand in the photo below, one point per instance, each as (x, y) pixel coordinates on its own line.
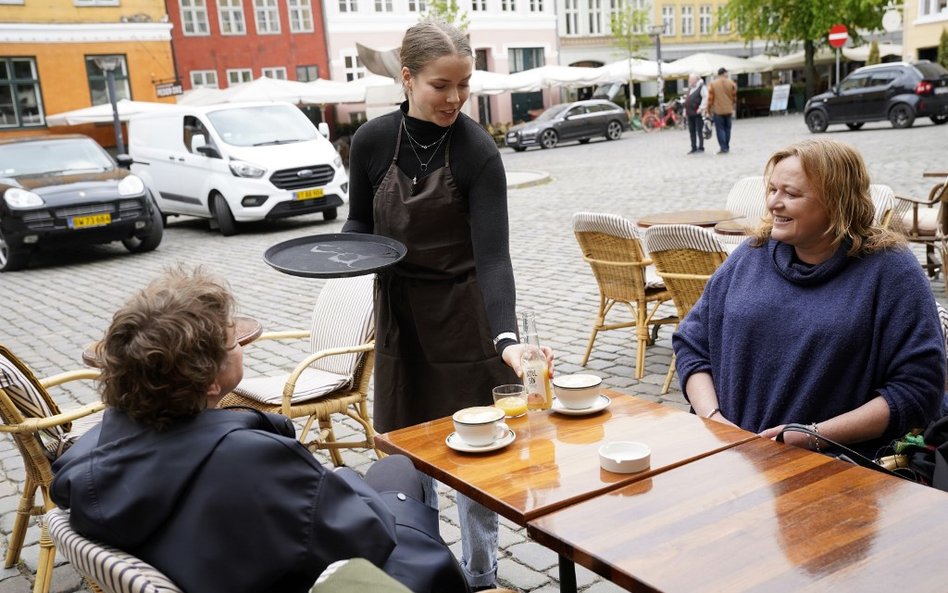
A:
(797, 439)
(511, 355)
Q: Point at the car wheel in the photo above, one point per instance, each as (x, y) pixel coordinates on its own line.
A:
(939, 119)
(901, 116)
(856, 125)
(152, 239)
(548, 139)
(12, 259)
(613, 130)
(223, 216)
(651, 122)
(519, 148)
(584, 140)
(330, 214)
(816, 121)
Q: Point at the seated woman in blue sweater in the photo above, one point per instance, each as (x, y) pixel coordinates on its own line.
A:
(821, 318)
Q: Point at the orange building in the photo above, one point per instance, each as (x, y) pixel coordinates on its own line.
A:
(48, 60)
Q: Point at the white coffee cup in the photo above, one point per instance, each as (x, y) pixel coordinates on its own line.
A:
(479, 426)
(578, 391)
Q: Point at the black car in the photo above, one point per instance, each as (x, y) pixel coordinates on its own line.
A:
(896, 91)
(580, 120)
(66, 190)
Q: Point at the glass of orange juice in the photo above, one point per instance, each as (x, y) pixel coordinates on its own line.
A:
(512, 399)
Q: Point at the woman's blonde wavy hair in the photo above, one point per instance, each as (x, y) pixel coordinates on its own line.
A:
(838, 173)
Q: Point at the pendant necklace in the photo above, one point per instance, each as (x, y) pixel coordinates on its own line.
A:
(412, 142)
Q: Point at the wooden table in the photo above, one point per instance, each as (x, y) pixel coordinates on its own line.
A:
(761, 516)
(693, 217)
(247, 329)
(942, 174)
(736, 226)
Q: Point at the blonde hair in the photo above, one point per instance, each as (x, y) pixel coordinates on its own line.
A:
(839, 175)
(429, 40)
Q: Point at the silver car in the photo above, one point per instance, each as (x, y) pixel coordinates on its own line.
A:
(581, 120)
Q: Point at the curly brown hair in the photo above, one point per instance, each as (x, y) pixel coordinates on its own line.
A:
(166, 346)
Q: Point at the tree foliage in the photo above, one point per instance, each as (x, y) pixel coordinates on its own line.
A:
(787, 22)
(943, 48)
(873, 57)
(448, 11)
(628, 26)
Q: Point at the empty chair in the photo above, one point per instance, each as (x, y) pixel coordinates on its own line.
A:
(334, 379)
(612, 248)
(883, 198)
(925, 222)
(685, 257)
(748, 197)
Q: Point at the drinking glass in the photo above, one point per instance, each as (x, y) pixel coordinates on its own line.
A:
(512, 399)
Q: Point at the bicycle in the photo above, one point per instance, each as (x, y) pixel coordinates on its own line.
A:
(674, 117)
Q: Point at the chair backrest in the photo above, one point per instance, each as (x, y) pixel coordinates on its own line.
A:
(344, 316)
(111, 569)
(748, 197)
(883, 198)
(612, 248)
(685, 257)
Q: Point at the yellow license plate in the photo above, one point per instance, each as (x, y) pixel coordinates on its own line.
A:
(309, 194)
(82, 222)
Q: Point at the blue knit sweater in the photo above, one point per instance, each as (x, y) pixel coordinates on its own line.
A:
(788, 342)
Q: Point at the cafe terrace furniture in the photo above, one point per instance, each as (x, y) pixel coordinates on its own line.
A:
(334, 379)
(42, 433)
(106, 569)
(883, 200)
(612, 248)
(685, 256)
(761, 516)
(748, 198)
(926, 225)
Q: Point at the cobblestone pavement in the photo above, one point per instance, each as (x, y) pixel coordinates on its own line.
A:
(64, 301)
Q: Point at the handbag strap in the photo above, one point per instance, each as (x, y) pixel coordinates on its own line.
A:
(845, 453)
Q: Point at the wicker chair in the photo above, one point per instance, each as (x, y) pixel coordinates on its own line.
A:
(685, 257)
(883, 199)
(612, 248)
(334, 379)
(748, 198)
(41, 433)
(926, 226)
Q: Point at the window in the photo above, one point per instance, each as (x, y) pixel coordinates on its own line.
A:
(239, 75)
(353, 67)
(417, 6)
(724, 27)
(643, 6)
(267, 14)
(687, 20)
(932, 7)
(571, 12)
(277, 72)
(525, 58)
(479, 5)
(704, 19)
(307, 73)
(383, 6)
(595, 17)
(74, 2)
(508, 5)
(97, 79)
(204, 79)
(20, 101)
(301, 16)
(536, 5)
(231, 16)
(347, 6)
(194, 17)
(668, 20)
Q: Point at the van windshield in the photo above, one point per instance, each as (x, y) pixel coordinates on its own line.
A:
(261, 125)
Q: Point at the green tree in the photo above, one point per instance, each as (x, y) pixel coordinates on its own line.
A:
(628, 27)
(873, 57)
(943, 48)
(786, 23)
(448, 11)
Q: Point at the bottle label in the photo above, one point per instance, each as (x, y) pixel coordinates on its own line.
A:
(536, 379)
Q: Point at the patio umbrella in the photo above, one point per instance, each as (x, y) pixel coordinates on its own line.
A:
(489, 83)
(704, 64)
(317, 92)
(861, 53)
(103, 113)
(635, 68)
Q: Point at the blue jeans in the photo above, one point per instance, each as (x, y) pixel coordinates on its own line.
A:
(722, 126)
(479, 527)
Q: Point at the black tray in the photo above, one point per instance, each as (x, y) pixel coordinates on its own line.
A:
(335, 255)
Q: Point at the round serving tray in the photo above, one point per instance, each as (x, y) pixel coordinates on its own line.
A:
(335, 255)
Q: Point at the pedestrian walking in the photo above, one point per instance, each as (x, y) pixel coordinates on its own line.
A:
(696, 105)
(722, 101)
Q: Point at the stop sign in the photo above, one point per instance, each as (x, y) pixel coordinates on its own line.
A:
(838, 36)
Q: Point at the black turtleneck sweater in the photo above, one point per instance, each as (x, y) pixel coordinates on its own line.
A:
(479, 173)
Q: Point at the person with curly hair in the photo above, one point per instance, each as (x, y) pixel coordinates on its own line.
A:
(227, 500)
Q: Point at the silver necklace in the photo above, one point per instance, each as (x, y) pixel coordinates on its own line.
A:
(423, 164)
(420, 145)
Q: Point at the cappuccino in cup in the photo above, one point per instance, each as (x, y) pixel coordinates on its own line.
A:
(479, 426)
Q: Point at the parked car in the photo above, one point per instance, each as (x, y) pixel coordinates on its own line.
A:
(897, 91)
(238, 162)
(66, 190)
(581, 120)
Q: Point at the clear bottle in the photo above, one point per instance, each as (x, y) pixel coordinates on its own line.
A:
(536, 369)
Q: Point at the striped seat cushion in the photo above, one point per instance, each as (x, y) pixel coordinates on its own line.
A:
(665, 237)
(19, 383)
(883, 200)
(112, 569)
(927, 221)
(615, 226)
(748, 197)
(312, 383)
(343, 317)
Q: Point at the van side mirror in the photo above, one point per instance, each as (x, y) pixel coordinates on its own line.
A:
(323, 128)
(124, 161)
(208, 151)
(197, 141)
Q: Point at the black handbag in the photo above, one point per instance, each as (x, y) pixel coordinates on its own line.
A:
(844, 453)
(706, 128)
(928, 459)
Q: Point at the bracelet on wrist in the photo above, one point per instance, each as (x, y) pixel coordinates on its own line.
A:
(713, 412)
(813, 441)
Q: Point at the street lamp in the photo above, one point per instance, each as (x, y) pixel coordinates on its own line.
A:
(108, 64)
(657, 31)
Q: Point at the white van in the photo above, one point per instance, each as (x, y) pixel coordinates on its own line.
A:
(237, 162)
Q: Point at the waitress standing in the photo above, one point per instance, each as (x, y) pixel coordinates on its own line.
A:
(429, 176)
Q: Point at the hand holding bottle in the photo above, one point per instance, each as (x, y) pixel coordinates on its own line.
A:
(512, 354)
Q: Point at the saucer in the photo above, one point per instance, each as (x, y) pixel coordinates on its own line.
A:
(455, 442)
(601, 403)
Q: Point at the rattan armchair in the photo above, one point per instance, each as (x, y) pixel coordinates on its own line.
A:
(685, 257)
(883, 200)
(41, 433)
(334, 379)
(926, 225)
(612, 248)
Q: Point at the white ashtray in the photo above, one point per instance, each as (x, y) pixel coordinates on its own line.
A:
(625, 457)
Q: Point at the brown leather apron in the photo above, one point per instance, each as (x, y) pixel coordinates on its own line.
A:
(434, 352)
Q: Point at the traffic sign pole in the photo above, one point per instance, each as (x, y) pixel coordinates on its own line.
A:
(838, 35)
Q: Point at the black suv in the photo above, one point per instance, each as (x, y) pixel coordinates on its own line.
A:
(64, 190)
(896, 91)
